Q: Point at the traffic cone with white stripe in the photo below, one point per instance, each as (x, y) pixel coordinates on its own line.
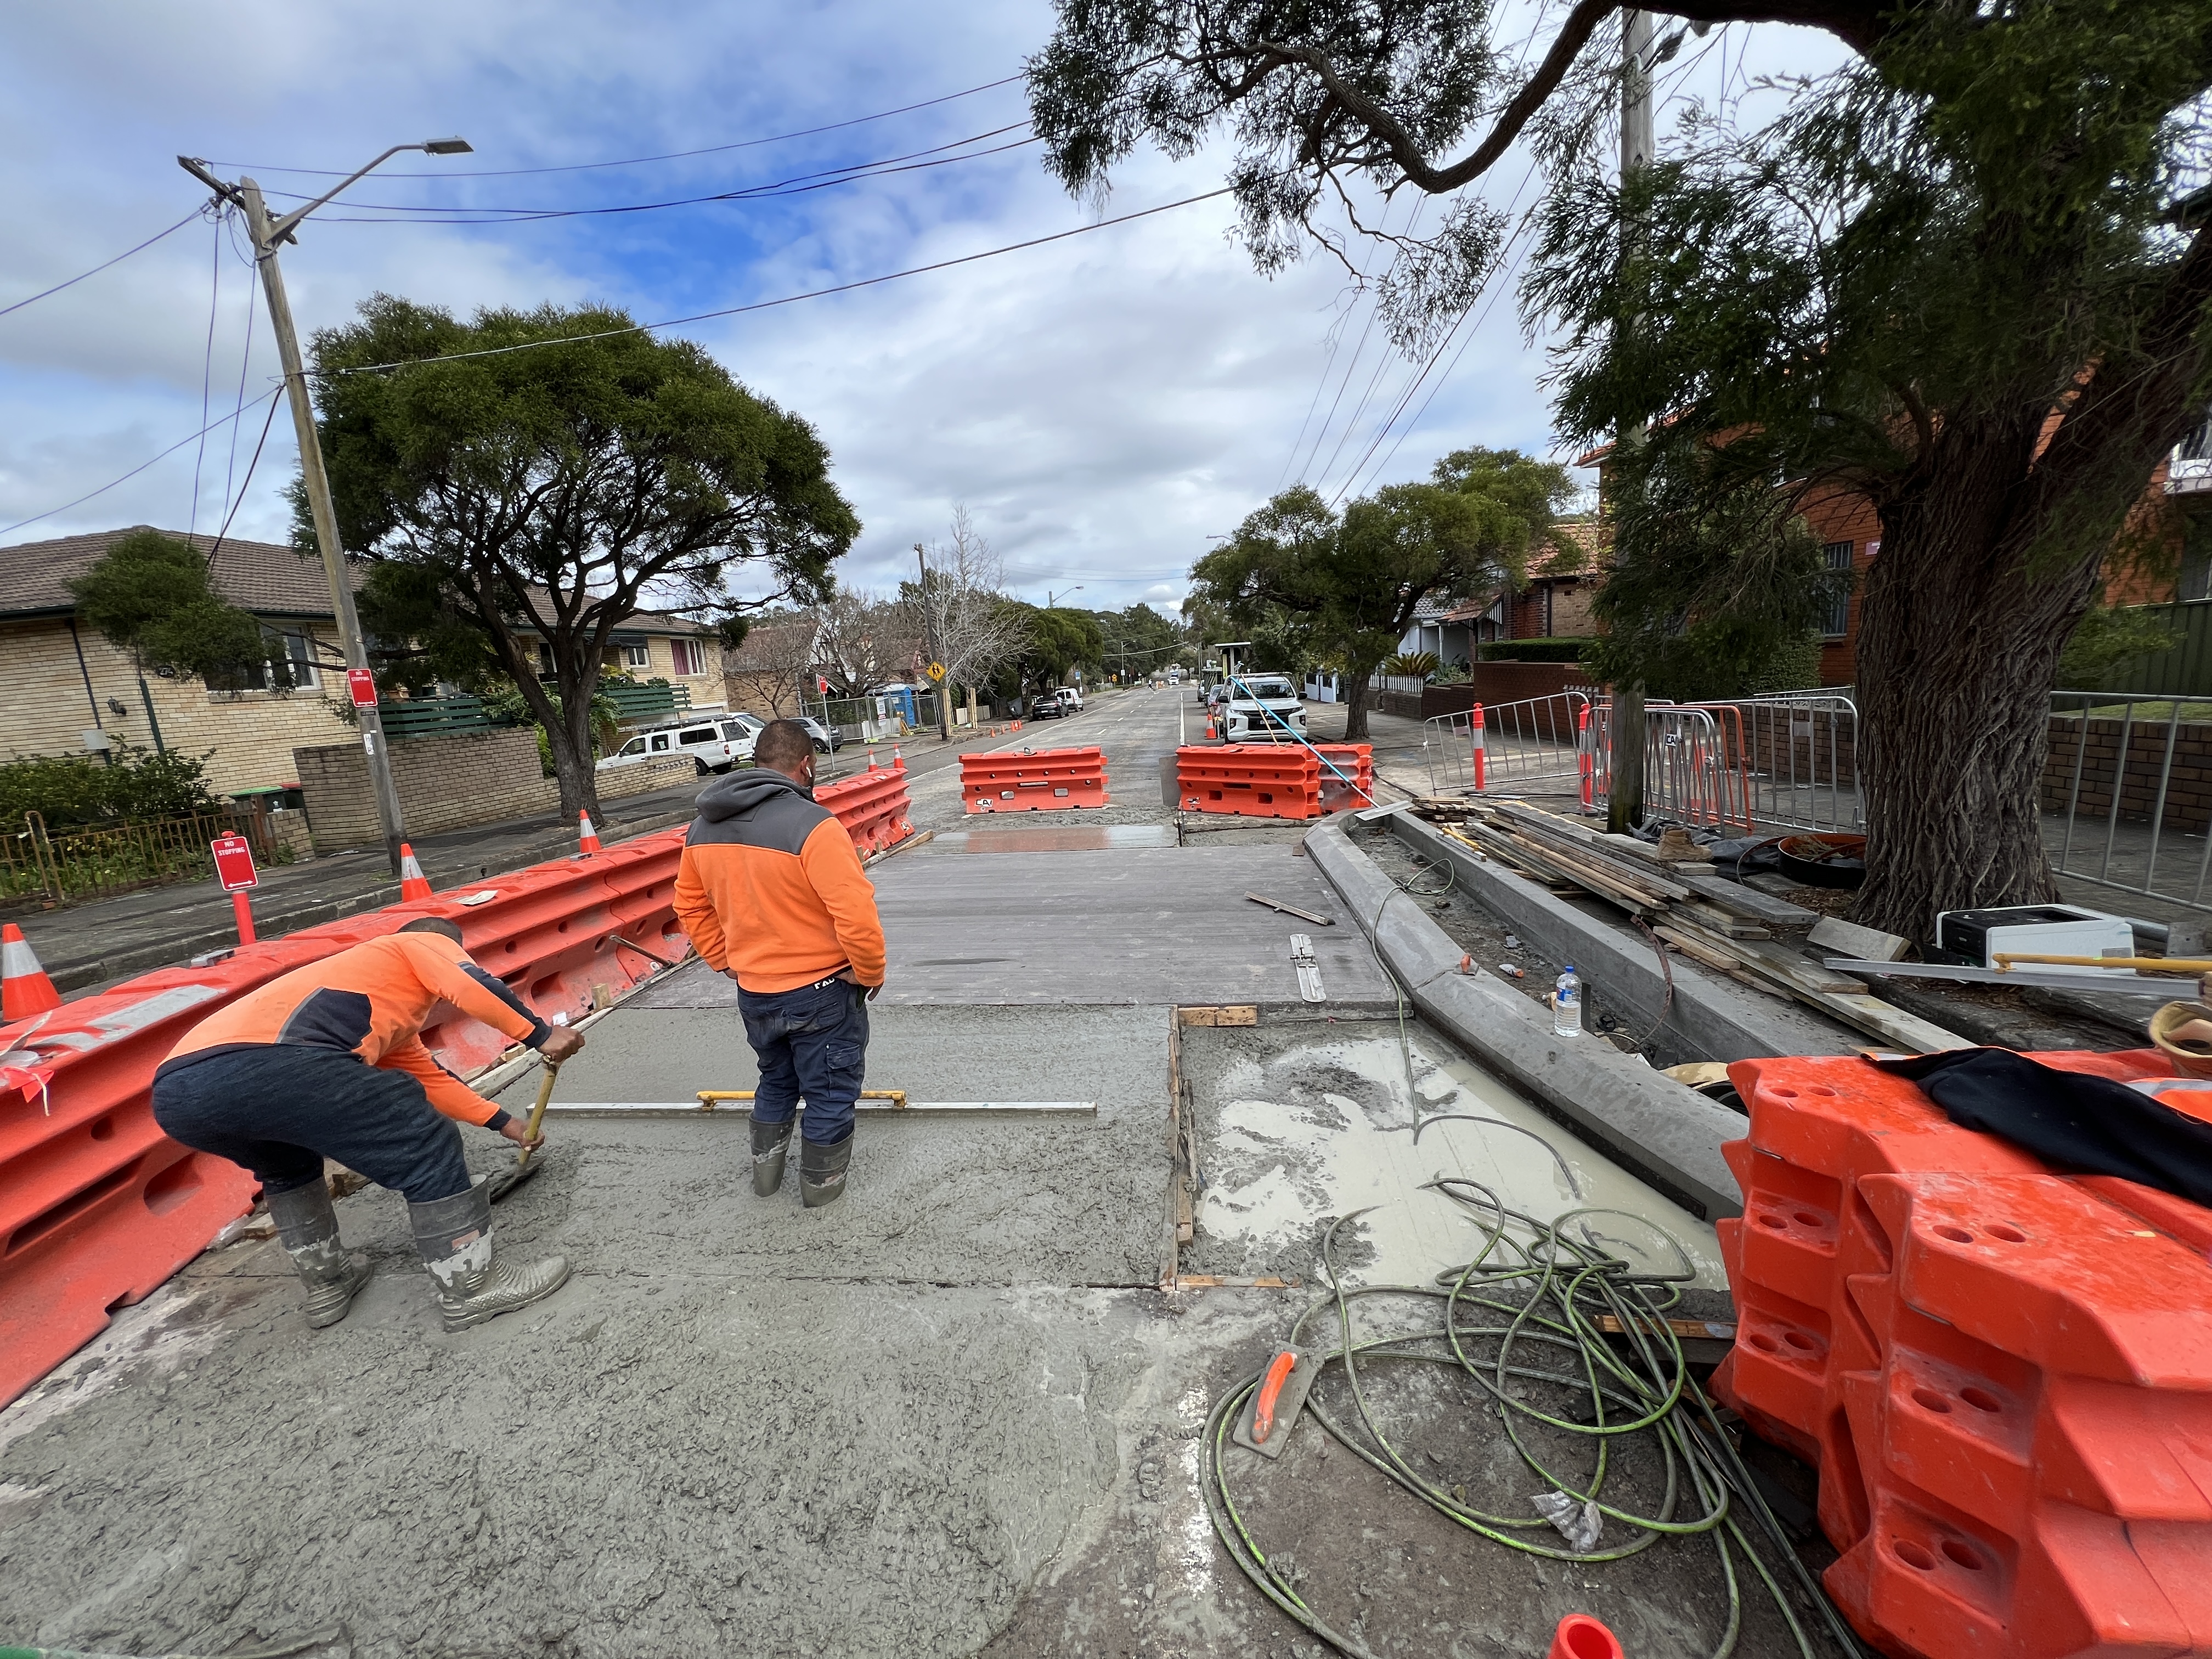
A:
(588, 838)
(25, 990)
(413, 884)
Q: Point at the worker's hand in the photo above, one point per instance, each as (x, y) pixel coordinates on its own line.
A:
(562, 1044)
(877, 990)
(517, 1129)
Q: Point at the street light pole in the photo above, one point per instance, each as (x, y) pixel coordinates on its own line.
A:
(267, 234)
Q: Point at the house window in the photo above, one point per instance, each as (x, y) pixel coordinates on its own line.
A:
(637, 656)
(546, 671)
(691, 656)
(1838, 621)
(290, 664)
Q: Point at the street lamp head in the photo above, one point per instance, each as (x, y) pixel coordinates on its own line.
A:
(450, 147)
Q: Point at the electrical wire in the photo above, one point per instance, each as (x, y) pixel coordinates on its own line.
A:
(97, 269)
(641, 160)
(786, 300)
(797, 184)
(207, 372)
(245, 361)
(35, 518)
(244, 484)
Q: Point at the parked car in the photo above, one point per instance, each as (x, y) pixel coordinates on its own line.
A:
(714, 744)
(1048, 707)
(826, 738)
(1069, 695)
(1261, 709)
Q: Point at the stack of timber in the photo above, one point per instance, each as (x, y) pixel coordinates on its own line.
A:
(1719, 924)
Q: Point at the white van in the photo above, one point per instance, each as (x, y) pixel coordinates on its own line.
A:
(715, 744)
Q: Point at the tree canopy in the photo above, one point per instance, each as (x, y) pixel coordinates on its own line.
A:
(1341, 589)
(150, 594)
(541, 494)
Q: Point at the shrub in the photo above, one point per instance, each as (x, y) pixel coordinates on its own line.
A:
(1540, 650)
(80, 789)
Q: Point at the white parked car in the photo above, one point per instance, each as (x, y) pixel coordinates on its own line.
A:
(1070, 697)
(715, 744)
(1261, 709)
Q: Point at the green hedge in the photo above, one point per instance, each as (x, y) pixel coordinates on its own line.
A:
(1553, 650)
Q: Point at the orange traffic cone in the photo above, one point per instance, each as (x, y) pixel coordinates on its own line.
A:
(25, 990)
(872, 760)
(1581, 1637)
(413, 884)
(588, 837)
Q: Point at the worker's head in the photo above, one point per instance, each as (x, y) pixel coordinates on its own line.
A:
(787, 747)
(451, 930)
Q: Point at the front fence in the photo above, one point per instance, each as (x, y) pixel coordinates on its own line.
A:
(73, 865)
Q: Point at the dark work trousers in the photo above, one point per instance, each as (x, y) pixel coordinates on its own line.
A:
(281, 1108)
(811, 1041)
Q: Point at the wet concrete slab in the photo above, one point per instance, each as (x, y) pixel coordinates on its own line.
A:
(1054, 838)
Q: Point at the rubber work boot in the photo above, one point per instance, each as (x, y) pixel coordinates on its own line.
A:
(454, 1237)
(822, 1172)
(307, 1228)
(771, 1142)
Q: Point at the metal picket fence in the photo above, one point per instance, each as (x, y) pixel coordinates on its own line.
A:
(70, 865)
(2127, 793)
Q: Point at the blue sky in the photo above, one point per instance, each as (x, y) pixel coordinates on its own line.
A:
(1100, 406)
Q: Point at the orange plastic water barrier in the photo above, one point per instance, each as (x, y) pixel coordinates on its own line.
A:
(2004, 1374)
(98, 1208)
(873, 805)
(1033, 780)
(1356, 787)
(1252, 779)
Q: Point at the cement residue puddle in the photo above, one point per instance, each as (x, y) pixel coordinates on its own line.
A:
(1058, 838)
(1325, 1128)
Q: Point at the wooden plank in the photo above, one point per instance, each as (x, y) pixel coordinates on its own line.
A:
(1712, 916)
(1891, 1023)
(1237, 1016)
(1706, 956)
(1771, 962)
(1739, 900)
(1848, 939)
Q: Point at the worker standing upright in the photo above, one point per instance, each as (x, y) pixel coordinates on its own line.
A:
(328, 1061)
(771, 891)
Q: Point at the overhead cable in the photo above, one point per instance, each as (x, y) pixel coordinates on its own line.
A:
(97, 269)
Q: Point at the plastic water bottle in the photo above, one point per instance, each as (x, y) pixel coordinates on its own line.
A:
(1567, 1004)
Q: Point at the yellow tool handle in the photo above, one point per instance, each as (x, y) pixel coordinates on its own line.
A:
(537, 1112)
(2004, 959)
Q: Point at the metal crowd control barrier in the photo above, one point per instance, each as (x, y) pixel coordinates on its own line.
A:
(1033, 780)
(873, 805)
(1520, 745)
(1798, 752)
(1688, 773)
(2126, 777)
(98, 1208)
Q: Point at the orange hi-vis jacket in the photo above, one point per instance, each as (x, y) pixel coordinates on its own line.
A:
(371, 1002)
(770, 887)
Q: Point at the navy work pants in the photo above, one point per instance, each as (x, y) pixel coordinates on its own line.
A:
(281, 1108)
(811, 1041)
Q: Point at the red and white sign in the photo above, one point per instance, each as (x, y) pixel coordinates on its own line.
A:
(233, 863)
(360, 686)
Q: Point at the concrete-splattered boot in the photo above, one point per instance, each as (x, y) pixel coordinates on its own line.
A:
(822, 1172)
(307, 1228)
(454, 1237)
(771, 1142)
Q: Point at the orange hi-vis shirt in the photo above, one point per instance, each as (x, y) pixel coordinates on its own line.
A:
(371, 1002)
(770, 887)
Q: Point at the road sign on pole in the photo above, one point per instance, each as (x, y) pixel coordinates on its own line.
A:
(360, 686)
(937, 671)
(233, 869)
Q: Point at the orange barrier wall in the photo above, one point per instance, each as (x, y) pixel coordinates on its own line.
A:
(873, 805)
(1033, 780)
(98, 1208)
(2002, 1373)
(1250, 780)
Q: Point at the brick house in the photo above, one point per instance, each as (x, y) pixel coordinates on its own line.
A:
(68, 691)
(769, 670)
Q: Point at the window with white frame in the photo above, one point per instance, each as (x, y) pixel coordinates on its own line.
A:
(290, 664)
(1837, 621)
(691, 656)
(637, 656)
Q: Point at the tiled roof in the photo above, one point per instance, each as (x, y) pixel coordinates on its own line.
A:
(256, 576)
(1592, 539)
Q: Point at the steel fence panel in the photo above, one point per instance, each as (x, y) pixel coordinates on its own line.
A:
(1534, 740)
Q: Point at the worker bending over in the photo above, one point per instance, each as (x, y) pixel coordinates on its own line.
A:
(771, 892)
(328, 1061)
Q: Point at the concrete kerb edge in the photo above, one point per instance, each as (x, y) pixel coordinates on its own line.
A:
(1667, 1135)
(1714, 1017)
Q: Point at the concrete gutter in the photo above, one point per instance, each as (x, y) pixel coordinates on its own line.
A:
(1670, 1136)
(1711, 1018)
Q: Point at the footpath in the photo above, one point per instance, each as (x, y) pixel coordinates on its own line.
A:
(85, 947)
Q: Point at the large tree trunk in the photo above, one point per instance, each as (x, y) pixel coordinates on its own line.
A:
(1355, 703)
(1958, 648)
(570, 739)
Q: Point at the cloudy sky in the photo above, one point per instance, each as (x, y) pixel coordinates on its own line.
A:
(1102, 405)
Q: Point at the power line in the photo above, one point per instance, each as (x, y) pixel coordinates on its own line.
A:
(786, 300)
(207, 370)
(392, 212)
(245, 361)
(244, 483)
(640, 161)
(7, 529)
(97, 269)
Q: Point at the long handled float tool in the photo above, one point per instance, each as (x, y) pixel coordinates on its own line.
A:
(508, 1179)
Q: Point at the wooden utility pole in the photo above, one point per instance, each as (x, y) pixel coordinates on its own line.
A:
(1625, 723)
